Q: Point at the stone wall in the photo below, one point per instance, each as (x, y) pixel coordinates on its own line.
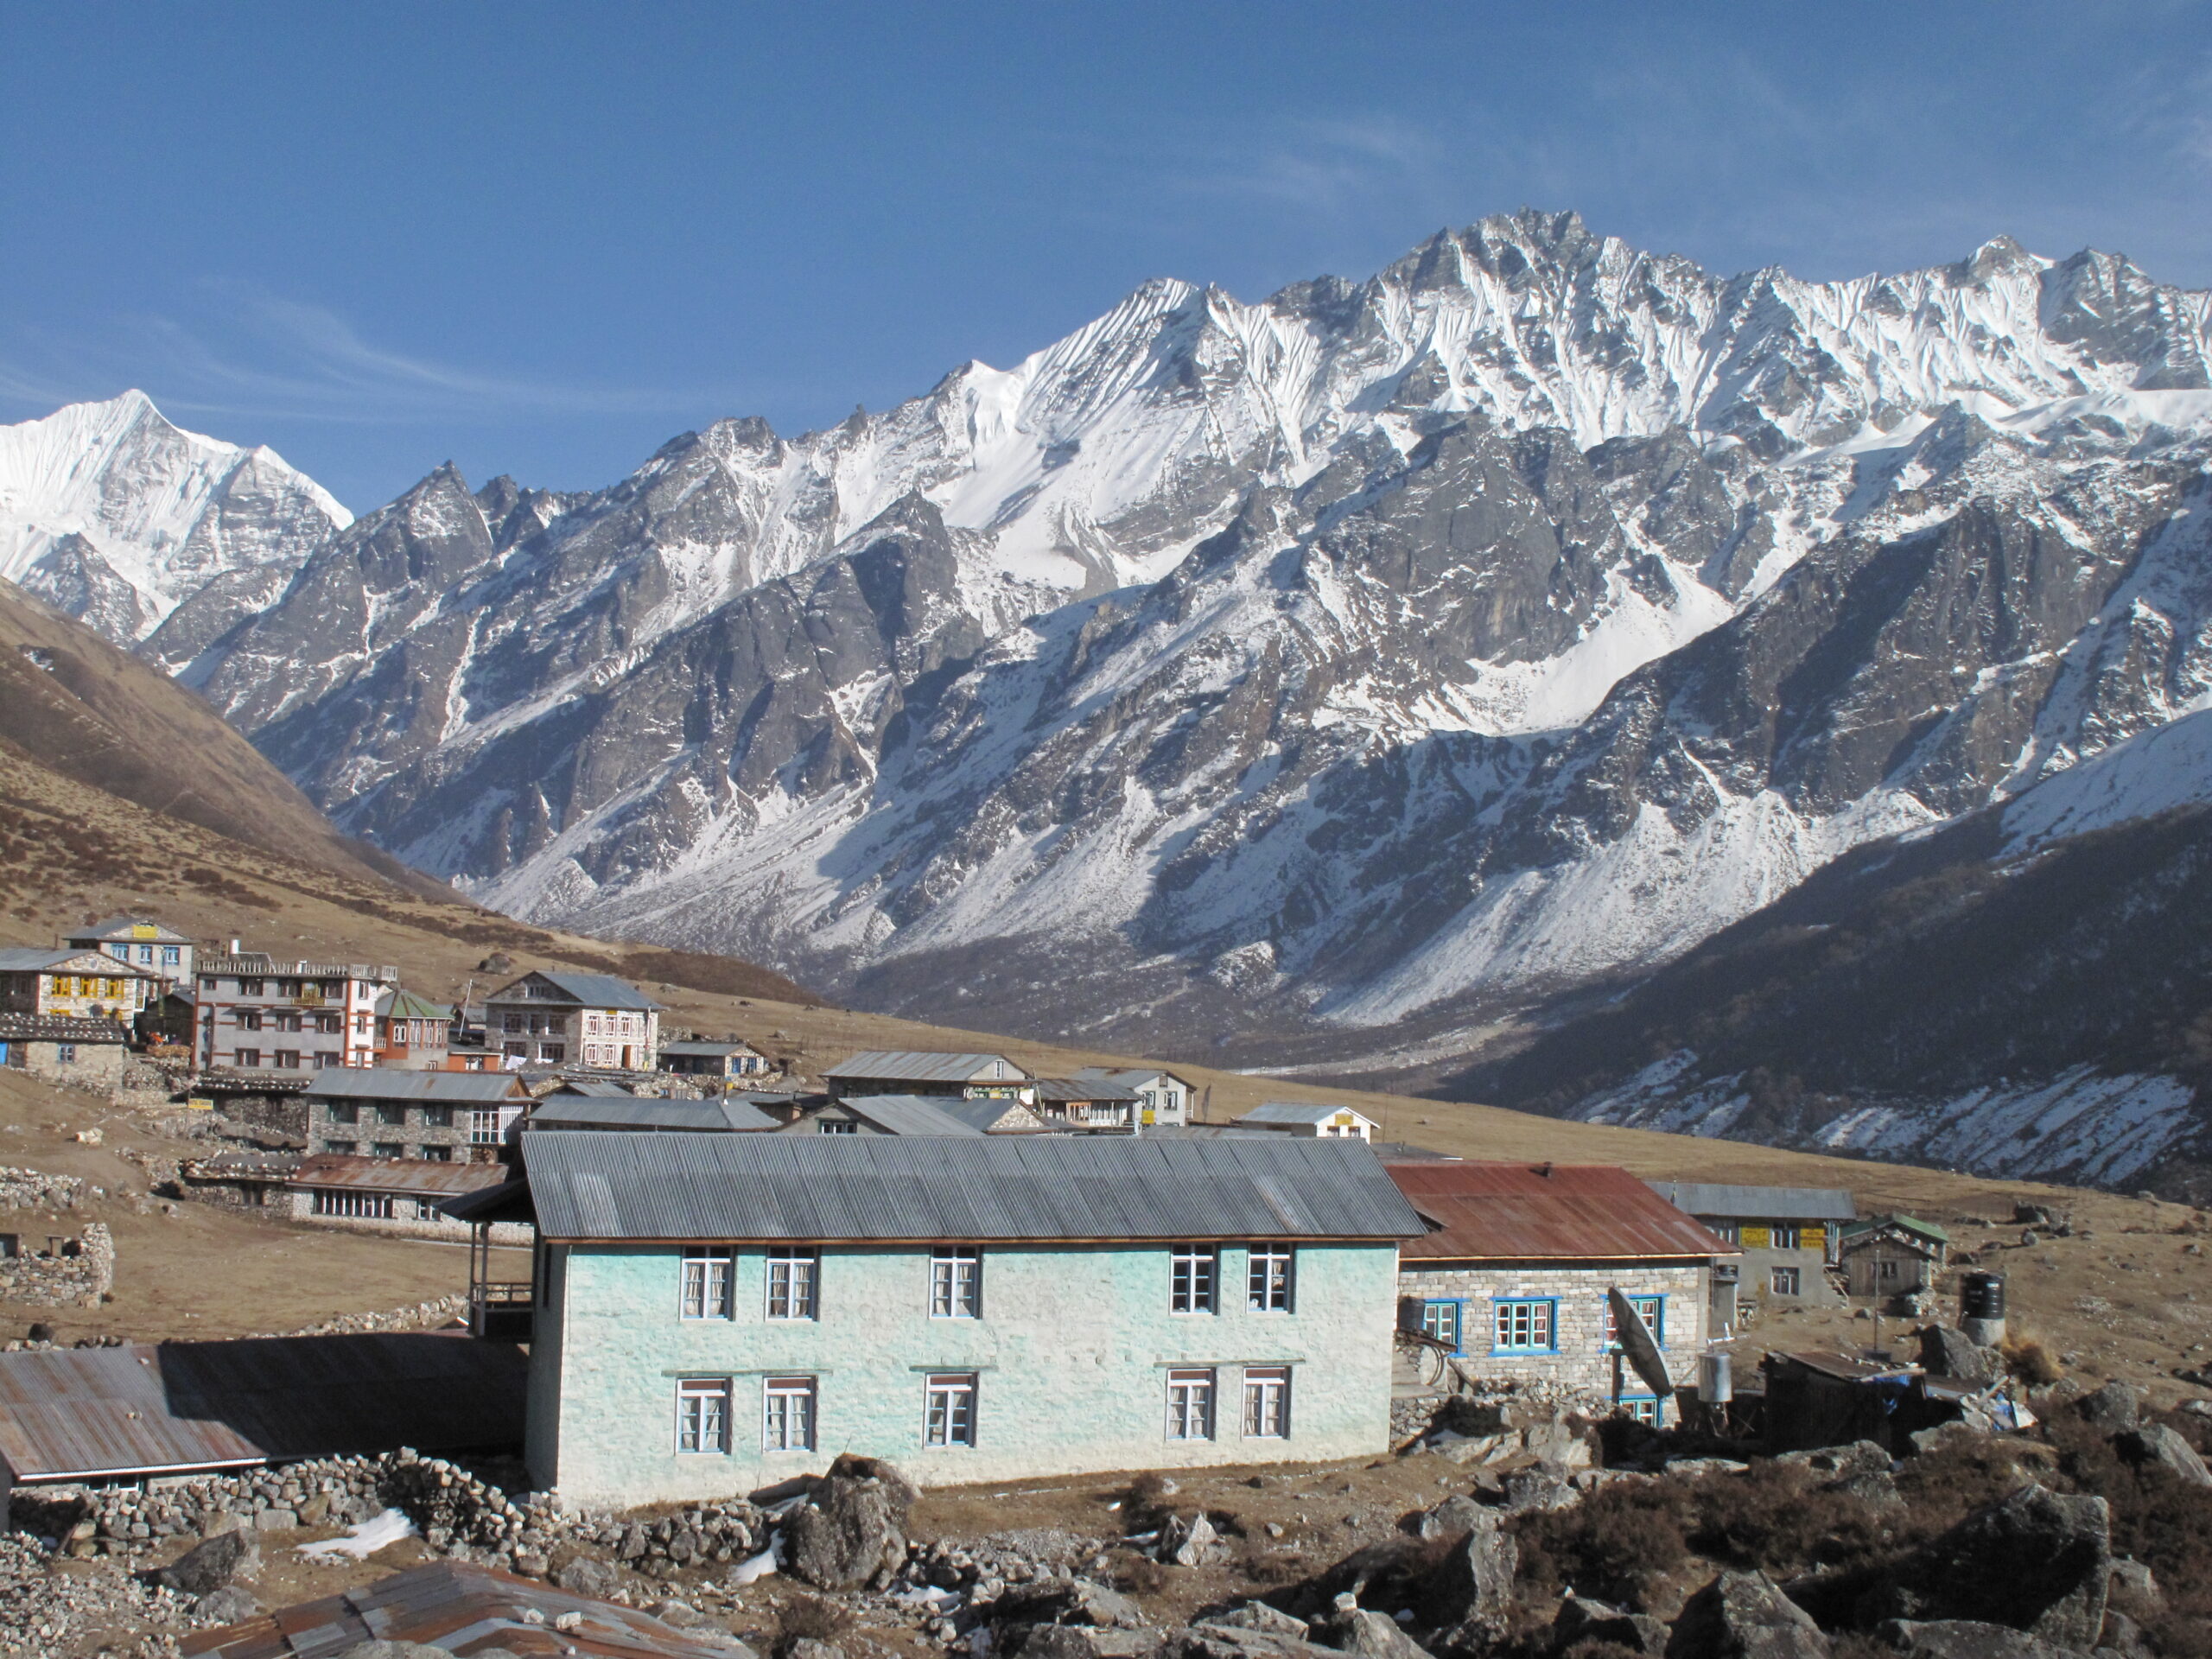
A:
(410, 1218)
(1578, 1359)
(94, 1066)
(34, 1189)
(79, 1276)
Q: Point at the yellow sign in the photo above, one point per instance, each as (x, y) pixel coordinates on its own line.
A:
(1344, 1120)
(1756, 1238)
(144, 931)
(200, 1103)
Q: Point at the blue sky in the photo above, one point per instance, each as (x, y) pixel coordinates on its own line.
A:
(543, 238)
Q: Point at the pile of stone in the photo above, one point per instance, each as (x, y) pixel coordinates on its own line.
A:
(43, 1613)
(727, 1531)
(34, 1189)
(421, 1316)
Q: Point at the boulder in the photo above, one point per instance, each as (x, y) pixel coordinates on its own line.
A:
(2136, 1588)
(1538, 1488)
(217, 1559)
(1583, 1620)
(851, 1528)
(1456, 1514)
(1963, 1638)
(2156, 1443)
(1877, 1489)
(1841, 1461)
(1209, 1640)
(1082, 1642)
(807, 1647)
(1076, 1601)
(902, 1490)
(231, 1604)
(678, 1615)
(1258, 1615)
(1373, 1635)
(587, 1575)
(1469, 1591)
(2034, 1559)
(1743, 1616)
(1190, 1541)
(2114, 1407)
(1946, 1352)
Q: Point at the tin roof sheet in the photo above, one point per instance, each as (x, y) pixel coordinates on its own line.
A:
(700, 1048)
(578, 1112)
(586, 990)
(1297, 1111)
(1757, 1202)
(72, 1412)
(126, 927)
(397, 1004)
(460, 1610)
(39, 961)
(1545, 1212)
(1927, 1230)
(827, 1187)
(1070, 1090)
(919, 1066)
(415, 1177)
(914, 1113)
(388, 1083)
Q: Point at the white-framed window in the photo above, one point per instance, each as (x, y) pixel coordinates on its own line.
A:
(1191, 1280)
(956, 1282)
(366, 1207)
(1652, 1310)
(1642, 1407)
(790, 1283)
(949, 1408)
(1785, 1281)
(1524, 1326)
(1782, 1238)
(837, 1126)
(1267, 1403)
(1189, 1405)
(703, 1414)
(1267, 1284)
(1440, 1321)
(710, 1278)
(787, 1415)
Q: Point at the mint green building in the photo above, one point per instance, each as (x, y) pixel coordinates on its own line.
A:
(717, 1312)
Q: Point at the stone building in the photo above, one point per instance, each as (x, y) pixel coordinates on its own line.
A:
(1510, 1280)
(89, 1053)
(592, 1020)
(145, 944)
(920, 1071)
(1787, 1236)
(717, 1312)
(1097, 1104)
(1892, 1255)
(730, 1064)
(73, 984)
(405, 1197)
(254, 1014)
(445, 1117)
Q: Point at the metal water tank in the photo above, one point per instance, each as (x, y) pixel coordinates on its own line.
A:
(1981, 1309)
(1716, 1381)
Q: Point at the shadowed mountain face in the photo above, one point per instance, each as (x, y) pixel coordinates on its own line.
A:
(1342, 671)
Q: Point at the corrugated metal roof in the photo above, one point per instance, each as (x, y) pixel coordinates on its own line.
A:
(911, 1113)
(1525, 1212)
(1069, 1090)
(1132, 1076)
(828, 1187)
(725, 1116)
(71, 1413)
(919, 1066)
(418, 1177)
(35, 961)
(1297, 1111)
(690, 1048)
(1757, 1202)
(986, 1116)
(125, 927)
(588, 991)
(463, 1610)
(397, 1004)
(388, 1083)
(1927, 1230)
(589, 1088)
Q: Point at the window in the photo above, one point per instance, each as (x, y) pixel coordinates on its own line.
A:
(1524, 1327)
(335, 988)
(1189, 1405)
(791, 1283)
(1785, 1280)
(1267, 1403)
(169, 957)
(330, 1022)
(837, 1126)
(248, 988)
(1885, 1271)
(394, 1116)
(287, 1022)
(386, 1149)
(1652, 1310)
(435, 1154)
(249, 1020)
(1267, 1284)
(64, 1053)
(948, 1410)
(437, 1118)
(1642, 1407)
(287, 1059)
(1440, 1321)
(703, 1416)
(513, 1022)
(324, 1057)
(787, 1415)
(516, 1050)
(484, 1128)
(343, 1148)
(345, 1112)
(1728, 1230)
(1782, 1238)
(555, 1052)
(367, 1206)
(1190, 1282)
(956, 1282)
(249, 1058)
(709, 1277)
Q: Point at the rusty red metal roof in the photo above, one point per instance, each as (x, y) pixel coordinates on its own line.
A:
(415, 1177)
(464, 1611)
(1537, 1212)
(75, 1413)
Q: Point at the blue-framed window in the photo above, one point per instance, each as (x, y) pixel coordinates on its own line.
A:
(1652, 1310)
(1525, 1324)
(1444, 1320)
(1642, 1406)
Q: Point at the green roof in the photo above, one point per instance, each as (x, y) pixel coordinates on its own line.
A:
(1925, 1229)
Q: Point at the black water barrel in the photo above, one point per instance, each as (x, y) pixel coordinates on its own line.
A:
(1981, 1296)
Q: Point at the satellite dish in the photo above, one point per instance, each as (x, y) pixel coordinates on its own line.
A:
(1636, 1342)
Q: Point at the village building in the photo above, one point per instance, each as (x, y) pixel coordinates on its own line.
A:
(556, 1019)
(90, 1053)
(144, 944)
(873, 1115)
(405, 1197)
(718, 1313)
(254, 1014)
(444, 1117)
(1092, 1103)
(1510, 1282)
(722, 1115)
(728, 1063)
(1306, 1117)
(1163, 1098)
(1892, 1255)
(412, 1032)
(1787, 1235)
(911, 1071)
(73, 984)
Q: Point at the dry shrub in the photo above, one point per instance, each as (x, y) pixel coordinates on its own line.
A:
(2030, 1361)
(2159, 1519)
(809, 1618)
(1620, 1544)
(1139, 1575)
(1258, 1561)
(1776, 1518)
